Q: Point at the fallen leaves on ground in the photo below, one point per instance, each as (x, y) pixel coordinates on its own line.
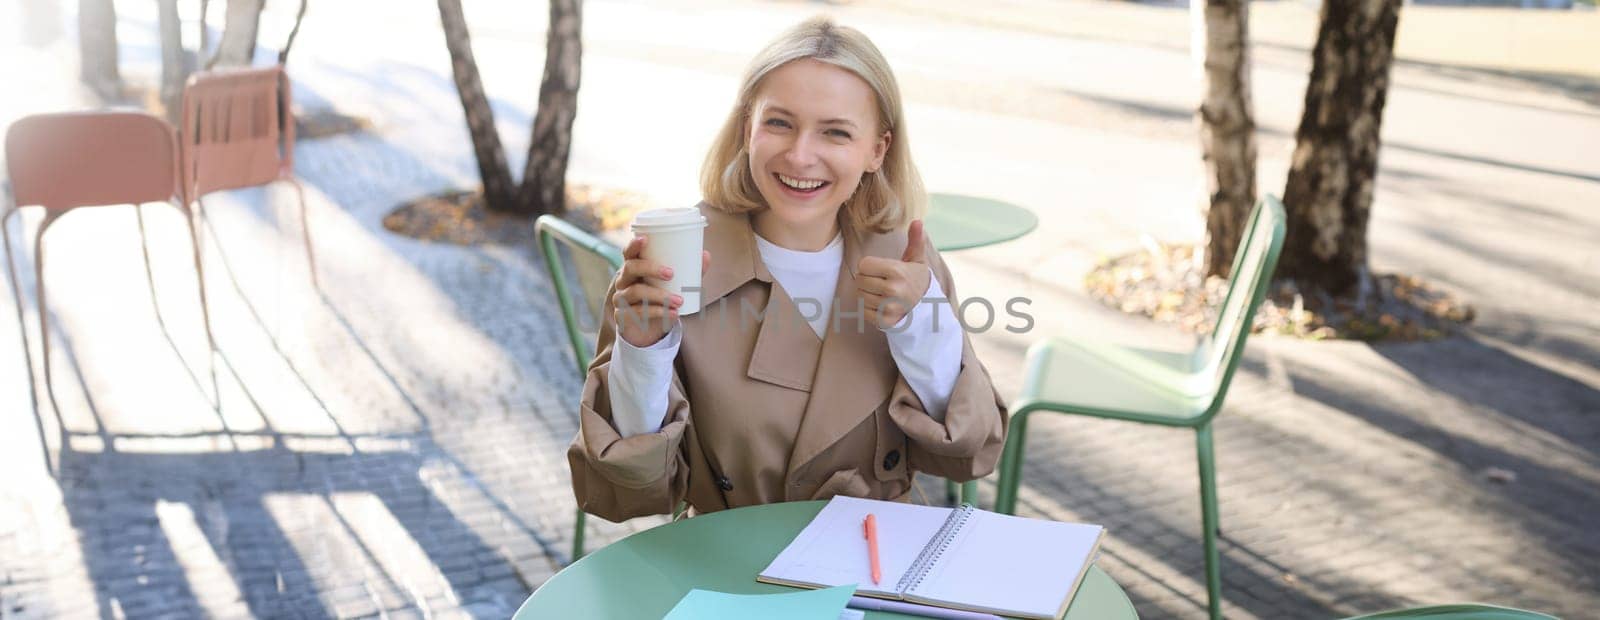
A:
(1168, 283)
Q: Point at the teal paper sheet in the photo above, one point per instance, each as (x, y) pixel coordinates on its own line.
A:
(805, 605)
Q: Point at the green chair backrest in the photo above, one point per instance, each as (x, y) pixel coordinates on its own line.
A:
(1251, 275)
(594, 263)
(1462, 611)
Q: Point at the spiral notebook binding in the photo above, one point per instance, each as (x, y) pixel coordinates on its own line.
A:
(935, 549)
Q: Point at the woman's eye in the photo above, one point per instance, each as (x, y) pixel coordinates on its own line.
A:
(777, 122)
(839, 133)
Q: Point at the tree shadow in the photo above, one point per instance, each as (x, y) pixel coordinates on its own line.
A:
(1580, 88)
(1486, 377)
(1174, 114)
(1549, 502)
(1492, 395)
(1159, 530)
(1529, 268)
(1410, 181)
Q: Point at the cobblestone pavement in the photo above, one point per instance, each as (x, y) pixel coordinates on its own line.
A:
(391, 442)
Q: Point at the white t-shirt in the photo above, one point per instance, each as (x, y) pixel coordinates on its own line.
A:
(927, 350)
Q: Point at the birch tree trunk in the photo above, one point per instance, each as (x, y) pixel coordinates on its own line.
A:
(240, 22)
(1332, 175)
(97, 47)
(498, 192)
(299, 18)
(174, 66)
(205, 30)
(1227, 130)
(544, 183)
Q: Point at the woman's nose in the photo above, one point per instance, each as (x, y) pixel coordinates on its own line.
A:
(802, 152)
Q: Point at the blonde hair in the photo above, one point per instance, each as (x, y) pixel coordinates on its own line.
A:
(887, 199)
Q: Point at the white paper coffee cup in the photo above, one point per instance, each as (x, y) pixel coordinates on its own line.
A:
(677, 238)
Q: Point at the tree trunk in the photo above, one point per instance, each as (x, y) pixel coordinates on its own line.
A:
(1227, 130)
(97, 47)
(544, 180)
(1333, 173)
(237, 47)
(174, 66)
(299, 18)
(205, 31)
(498, 192)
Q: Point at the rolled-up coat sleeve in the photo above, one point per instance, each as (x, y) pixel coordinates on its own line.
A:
(618, 478)
(967, 443)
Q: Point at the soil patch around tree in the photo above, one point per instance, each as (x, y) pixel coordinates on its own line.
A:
(1168, 284)
(460, 217)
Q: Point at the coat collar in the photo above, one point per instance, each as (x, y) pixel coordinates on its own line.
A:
(731, 241)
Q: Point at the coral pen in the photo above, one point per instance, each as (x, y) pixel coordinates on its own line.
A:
(870, 529)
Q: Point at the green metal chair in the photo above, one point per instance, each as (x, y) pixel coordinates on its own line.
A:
(1154, 387)
(594, 262)
(1464, 611)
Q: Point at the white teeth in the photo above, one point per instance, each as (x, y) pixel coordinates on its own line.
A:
(797, 183)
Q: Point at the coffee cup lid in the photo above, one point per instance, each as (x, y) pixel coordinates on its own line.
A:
(671, 217)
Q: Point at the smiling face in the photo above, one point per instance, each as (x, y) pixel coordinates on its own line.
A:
(813, 134)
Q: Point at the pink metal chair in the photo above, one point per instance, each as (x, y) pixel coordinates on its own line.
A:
(237, 131)
(67, 161)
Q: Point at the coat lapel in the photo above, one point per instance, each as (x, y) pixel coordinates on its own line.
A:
(734, 260)
(855, 372)
(785, 350)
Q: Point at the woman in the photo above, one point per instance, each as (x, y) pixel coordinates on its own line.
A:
(812, 368)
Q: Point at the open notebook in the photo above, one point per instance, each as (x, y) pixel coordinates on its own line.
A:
(960, 558)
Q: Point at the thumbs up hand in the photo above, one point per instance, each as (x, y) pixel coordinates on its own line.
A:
(892, 287)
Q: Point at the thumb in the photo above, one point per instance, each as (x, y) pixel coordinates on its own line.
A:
(915, 250)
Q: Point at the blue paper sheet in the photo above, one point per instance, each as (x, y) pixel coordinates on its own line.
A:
(806, 605)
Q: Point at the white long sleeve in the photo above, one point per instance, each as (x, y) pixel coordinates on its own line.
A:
(926, 346)
(639, 383)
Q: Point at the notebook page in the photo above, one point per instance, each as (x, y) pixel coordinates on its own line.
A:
(1011, 565)
(832, 549)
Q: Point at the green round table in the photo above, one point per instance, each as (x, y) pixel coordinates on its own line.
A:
(643, 576)
(959, 222)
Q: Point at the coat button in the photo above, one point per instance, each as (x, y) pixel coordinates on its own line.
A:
(724, 483)
(891, 459)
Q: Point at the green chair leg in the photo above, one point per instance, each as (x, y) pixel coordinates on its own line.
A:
(1208, 519)
(577, 535)
(1005, 497)
(965, 493)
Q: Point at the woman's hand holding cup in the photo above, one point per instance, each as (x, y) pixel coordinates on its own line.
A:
(645, 312)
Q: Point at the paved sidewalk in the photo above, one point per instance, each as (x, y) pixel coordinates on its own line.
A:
(392, 444)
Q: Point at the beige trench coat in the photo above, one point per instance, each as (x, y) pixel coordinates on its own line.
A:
(761, 410)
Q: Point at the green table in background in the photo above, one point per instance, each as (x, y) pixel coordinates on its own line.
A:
(643, 576)
(960, 222)
(957, 222)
